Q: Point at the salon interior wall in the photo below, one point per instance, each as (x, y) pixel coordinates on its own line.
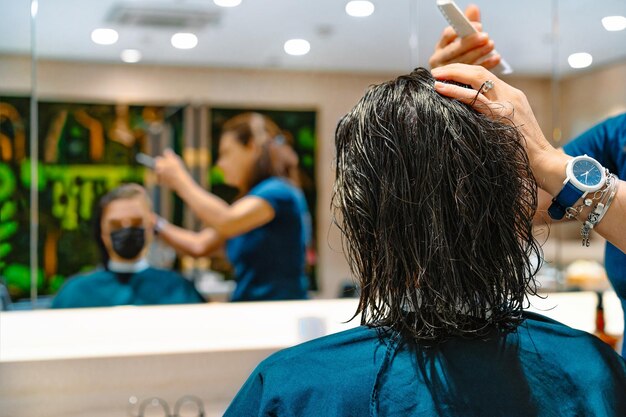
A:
(330, 94)
(590, 97)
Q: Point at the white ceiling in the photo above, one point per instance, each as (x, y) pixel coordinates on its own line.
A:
(252, 34)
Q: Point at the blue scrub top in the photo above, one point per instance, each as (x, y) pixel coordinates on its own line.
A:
(606, 142)
(269, 261)
(543, 369)
(102, 288)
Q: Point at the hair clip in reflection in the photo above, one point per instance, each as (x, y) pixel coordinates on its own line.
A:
(280, 140)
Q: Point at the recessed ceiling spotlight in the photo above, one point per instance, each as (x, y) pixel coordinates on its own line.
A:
(227, 3)
(130, 56)
(297, 47)
(103, 36)
(580, 60)
(360, 8)
(34, 7)
(614, 23)
(184, 40)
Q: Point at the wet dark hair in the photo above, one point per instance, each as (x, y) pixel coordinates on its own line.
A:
(277, 158)
(122, 192)
(435, 202)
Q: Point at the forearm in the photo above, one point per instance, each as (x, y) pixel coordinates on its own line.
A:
(543, 202)
(550, 175)
(194, 244)
(227, 220)
(212, 210)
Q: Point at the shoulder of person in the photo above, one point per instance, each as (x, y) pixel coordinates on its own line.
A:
(565, 341)
(332, 351)
(164, 274)
(78, 283)
(83, 278)
(275, 185)
(619, 120)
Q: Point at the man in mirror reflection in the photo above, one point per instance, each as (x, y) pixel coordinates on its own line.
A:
(266, 230)
(604, 142)
(124, 230)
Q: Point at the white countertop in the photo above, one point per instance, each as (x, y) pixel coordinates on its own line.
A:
(89, 362)
(130, 331)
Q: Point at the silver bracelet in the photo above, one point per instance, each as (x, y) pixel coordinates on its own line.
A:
(591, 221)
(615, 186)
(599, 210)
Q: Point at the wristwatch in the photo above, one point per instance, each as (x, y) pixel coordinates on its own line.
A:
(583, 175)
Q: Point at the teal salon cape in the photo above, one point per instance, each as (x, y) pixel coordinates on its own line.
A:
(543, 369)
(102, 288)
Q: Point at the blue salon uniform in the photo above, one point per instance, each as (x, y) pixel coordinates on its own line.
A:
(103, 288)
(543, 369)
(269, 261)
(606, 142)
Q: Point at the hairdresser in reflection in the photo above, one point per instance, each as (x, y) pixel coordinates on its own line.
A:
(265, 231)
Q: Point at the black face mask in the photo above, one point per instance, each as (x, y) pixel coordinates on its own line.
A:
(128, 242)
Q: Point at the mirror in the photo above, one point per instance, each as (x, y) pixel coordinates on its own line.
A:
(95, 107)
(17, 128)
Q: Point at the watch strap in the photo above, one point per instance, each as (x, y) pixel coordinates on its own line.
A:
(564, 199)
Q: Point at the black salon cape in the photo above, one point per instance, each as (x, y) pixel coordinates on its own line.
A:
(543, 369)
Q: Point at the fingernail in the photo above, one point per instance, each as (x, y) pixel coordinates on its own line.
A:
(483, 35)
(439, 85)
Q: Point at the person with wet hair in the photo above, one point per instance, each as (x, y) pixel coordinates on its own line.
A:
(266, 230)
(435, 201)
(123, 231)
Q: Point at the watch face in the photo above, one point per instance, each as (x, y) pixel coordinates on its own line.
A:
(587, 173)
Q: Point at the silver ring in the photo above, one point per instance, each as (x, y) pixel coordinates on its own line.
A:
(486, 86)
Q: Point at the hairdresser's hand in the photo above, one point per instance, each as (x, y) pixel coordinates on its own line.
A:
(170, 170)
(508, 105)
(469, 50)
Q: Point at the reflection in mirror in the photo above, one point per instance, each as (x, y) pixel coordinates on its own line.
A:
(135, 91)
(17, 127)
(102, 100)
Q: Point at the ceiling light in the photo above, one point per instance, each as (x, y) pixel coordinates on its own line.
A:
(580, 60)
(184, 40)
(614, 23)
(227, 3)
(360, 8)
(297, 47)
(130, 56)
(34, 7)
(104, 36)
